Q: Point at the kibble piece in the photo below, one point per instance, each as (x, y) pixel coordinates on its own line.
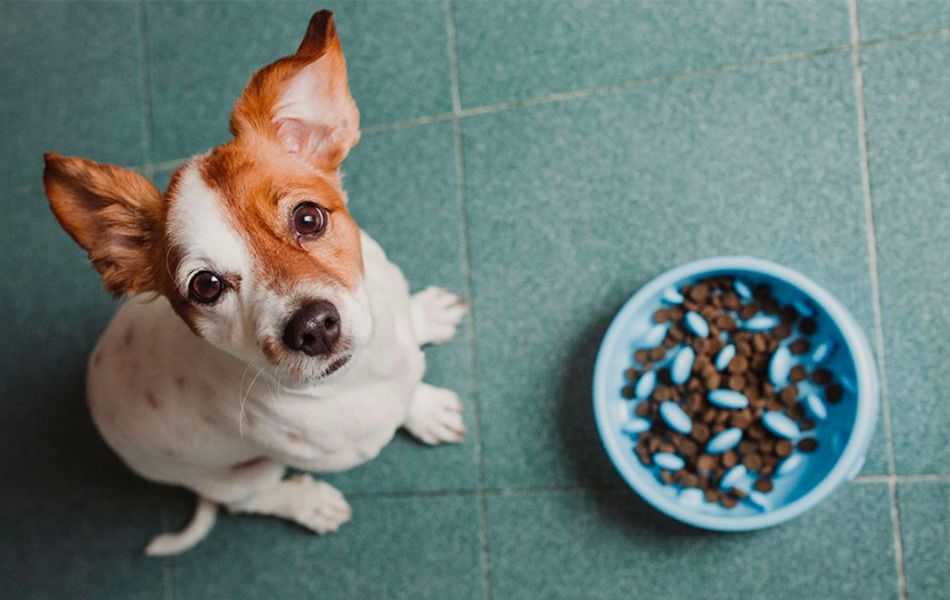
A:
(688, 448)
(661, 316)
(783, 448)
(796, 411)
(706, 462)
(808, 326)
(731, 301)
(800, 346)
(736, 383)
(782, 331)
(789, 395)
(788, 314)
(729, 459)
(642, 409)
(741, 418)
(632, 374)
(763, 485)
(739, 364)
(821, 376)
(798, 373)
(808, 444)
(699, 292)
(834, 393)
(752, 461)
(747, 311)
(641, 356)
(726, 322)
(711, 495)
(628, 392)
(728, 501)
(701, 433)
(688, 480)
(657, 354)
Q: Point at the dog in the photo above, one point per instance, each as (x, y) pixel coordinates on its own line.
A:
(263, 329)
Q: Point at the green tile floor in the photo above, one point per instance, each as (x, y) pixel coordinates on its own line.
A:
(545, 158)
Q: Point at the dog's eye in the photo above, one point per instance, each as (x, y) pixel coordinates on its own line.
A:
(205, 287)
(309, 220)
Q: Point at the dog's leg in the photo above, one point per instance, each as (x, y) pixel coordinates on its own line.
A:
(316, 505)
(436, 314)
(435, 415)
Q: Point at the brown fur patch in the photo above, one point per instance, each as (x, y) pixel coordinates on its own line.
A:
(252, 178)
(112, 213)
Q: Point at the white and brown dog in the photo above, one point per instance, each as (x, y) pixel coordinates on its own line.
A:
(264, 328)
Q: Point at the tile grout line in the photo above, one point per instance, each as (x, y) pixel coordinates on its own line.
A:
(876, 297)
(455, 88)
(554, 98)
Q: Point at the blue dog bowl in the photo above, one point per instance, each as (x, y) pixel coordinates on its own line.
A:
(844, 436)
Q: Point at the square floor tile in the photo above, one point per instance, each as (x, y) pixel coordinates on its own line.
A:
(90, 552)
(925, 530)
(202, 54)
(403, 191)
(520, 49)
(908, 105)
(71, 84)
(575, 205)
(884, 18)
(610, 545)
(426, 547)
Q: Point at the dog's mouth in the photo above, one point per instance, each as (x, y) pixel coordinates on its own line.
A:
(336, 365)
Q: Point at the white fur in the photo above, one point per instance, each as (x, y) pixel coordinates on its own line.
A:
(215, 419)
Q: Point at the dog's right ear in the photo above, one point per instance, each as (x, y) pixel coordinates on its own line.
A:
(113, 213)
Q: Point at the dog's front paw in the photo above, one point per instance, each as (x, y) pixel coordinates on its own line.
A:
(436, 314)
(318, 506)
(435, 416)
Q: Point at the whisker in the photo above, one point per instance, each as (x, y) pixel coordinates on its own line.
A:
(244, 401)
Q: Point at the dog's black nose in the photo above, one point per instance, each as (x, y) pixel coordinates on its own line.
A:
(314, 329)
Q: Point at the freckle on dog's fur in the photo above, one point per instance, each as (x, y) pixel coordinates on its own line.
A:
(195, 384)
(152, 400)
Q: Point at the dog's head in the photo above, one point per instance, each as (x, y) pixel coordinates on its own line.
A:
(252, 243)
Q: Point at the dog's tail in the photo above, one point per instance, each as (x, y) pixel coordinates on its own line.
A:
(197, 529)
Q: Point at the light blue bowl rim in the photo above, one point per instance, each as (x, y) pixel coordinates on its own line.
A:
(865, 419)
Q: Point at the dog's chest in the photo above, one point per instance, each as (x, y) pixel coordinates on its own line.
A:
(343, 426)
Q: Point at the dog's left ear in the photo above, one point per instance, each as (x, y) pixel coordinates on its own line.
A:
(303, 101)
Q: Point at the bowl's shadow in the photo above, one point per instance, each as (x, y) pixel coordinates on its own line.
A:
(589, 463)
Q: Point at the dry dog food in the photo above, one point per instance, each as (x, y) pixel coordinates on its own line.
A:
(718, 409)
